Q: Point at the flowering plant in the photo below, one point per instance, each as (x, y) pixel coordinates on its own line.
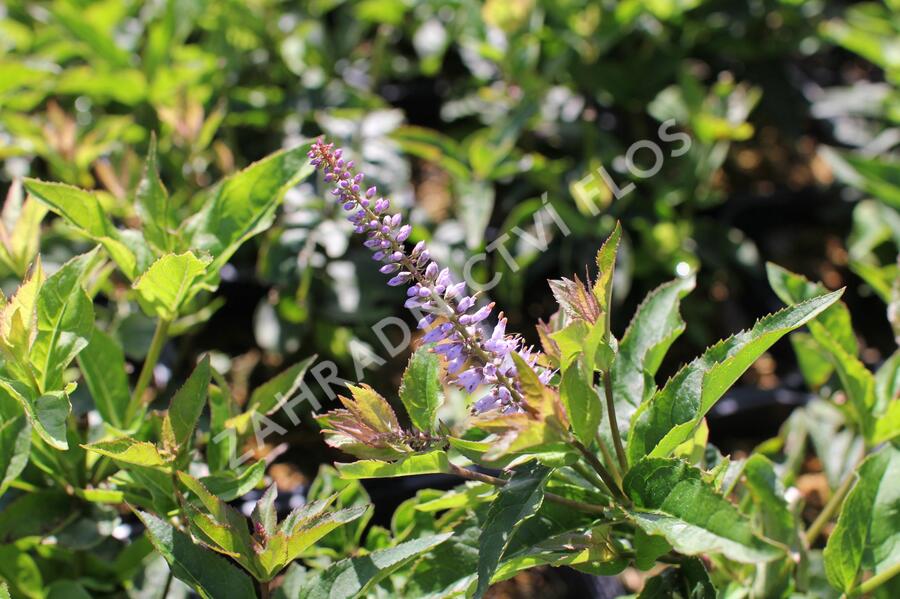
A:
(575, 456)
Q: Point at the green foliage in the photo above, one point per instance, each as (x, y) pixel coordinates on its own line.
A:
(866, 535)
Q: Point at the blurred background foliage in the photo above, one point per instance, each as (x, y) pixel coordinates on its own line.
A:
(471, 115)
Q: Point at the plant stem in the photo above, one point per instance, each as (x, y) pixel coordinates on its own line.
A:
(598, 466)
(867, 586)
(591, 476)
(156, 344)
(613, 422)
(499, 482)
(609, 459)
(831, 506)
(263, 590)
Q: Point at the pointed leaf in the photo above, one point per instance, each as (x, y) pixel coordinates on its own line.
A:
(353, 577)
(516, 501)
(655, 325)
(154, 205)
(271, 395)
(47, 413)
(583, 404)
(83, 210)
(128, 450)
(15, 444)
(102, 364)
(671, 499)
(169, 283)
(244, 204)
(669, 418)
(187, 403)
(433, 462)
(867, 535)
(421, 391)
(65, 321)
(209, 575)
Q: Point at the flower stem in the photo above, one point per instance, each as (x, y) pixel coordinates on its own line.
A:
(613, 422)
(499, 482)
(831, 506)
(156, 344)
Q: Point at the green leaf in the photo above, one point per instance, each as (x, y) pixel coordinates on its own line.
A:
(670, 416)
(65, 320)
(354, 577)
(867, 535)
(169, 283)
(154, 206)
(47, 413)
(420, 390)
(792, 288)
(433, 462)
(228, 486)
(187, 403)
(83, 210)
(606, 265)
(244, 204)
(67, 589)
(271, 395)
(36, 514)
(102, 364)
(299, 533)
(4, 591)
(15, 444)
(209, 575)
(519, 499)
(130, 451)
(581, 401)
(671, 499)
(655, 326)
(689, 580)
(768, 495)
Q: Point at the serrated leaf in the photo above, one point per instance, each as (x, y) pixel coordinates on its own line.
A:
(65, 321)
(211, 576)
(606, 265)
(154, 206)
(15, 444)
(792, 288)
(583, 404)
(264, 514)
(271, 395)
(129, 451)
(420, 390)
(654, 327)
(353, 577)
(187, 403)
(867, 535)
(287, 545)
(83, 210)
(433, 462)
(47, 413)
(671, 499)
(169, 283)
(670, 416)
(516, 501)
(102, 364)
(244, 204)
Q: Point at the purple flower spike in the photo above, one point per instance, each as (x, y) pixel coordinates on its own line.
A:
(446, 305)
